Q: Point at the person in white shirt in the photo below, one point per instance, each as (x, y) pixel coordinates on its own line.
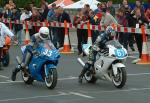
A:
(107, 18)
(4, 31)
(26, 16)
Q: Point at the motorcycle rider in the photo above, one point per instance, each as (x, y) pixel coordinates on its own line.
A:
(97, 46)
(36, 39)
(4, 31)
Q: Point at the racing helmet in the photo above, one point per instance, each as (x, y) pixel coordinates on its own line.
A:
(44, 33)
(110, 31)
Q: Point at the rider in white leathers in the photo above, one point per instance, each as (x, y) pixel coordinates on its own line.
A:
(4, 31)
(98, 45)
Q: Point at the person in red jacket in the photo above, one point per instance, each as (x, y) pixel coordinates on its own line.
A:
(122, 21)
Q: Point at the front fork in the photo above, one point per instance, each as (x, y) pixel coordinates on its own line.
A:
(47, 68)
(116, 66)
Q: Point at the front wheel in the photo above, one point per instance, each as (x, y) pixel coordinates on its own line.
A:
(26, 78)
(120, 79)
(89, 77)
(51, 80)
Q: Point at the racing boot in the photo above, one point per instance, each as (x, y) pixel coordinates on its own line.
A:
(85, 68)
(14, 73)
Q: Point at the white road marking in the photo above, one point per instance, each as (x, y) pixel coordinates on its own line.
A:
(69, 78)
(125, 90)
(138, 74)
(2, 76)
(133, 57)
(9, 81)
(35, 97)
(81, 95)
(62, 79)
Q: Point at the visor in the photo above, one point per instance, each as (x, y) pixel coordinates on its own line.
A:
(44, 35)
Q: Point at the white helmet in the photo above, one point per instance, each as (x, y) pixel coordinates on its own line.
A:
(44, 33)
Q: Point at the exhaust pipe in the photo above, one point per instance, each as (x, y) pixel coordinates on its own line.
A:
(18, 59)
(80, 61)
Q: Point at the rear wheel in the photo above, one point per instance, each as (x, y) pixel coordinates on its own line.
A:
(26, 78)
(5, 60)
(120, 79)
(51, 80)
(89, 77)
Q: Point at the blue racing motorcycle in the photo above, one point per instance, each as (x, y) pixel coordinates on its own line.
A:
(42, 66)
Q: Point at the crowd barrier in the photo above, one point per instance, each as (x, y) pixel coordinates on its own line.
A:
(145, 59)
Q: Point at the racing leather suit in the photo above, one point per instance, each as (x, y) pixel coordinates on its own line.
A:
(29, 51)
(97, 46)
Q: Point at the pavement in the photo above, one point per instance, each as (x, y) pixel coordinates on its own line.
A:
(68, 90)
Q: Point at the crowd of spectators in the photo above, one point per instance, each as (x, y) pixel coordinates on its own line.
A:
(104, 15)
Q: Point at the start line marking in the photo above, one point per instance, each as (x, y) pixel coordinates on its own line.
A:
(62, 79)
(46, 96)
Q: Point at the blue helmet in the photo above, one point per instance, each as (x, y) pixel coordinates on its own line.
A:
(110, 30)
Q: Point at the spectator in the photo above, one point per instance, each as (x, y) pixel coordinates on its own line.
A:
(26, 16)
(44, 8)
(138, 4)
(61, 18)
(7, 12)
(138, 20)
(17, 27)
(107, 18)
(86, 10)
(51, 13)
(53, 30)
(1, 12)
(44, 3)
(35, 18)
(35, 15)
(10, 5)
(127, 10)
(147, 14)
(125, 6)
(110, 8)
(80, 34)
(94, 20)
(122, 21)
(98, 10)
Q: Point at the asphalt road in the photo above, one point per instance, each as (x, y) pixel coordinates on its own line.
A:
(68, 90)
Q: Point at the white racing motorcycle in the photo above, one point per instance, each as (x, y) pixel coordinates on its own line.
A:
(109, 64)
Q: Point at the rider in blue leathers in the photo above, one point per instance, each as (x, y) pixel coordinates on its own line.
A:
(41, 36)
(98, 45)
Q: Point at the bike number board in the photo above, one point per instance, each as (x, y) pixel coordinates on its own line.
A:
(120, 53)
(47, 52)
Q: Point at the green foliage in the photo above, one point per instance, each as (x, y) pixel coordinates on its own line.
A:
(22, 3)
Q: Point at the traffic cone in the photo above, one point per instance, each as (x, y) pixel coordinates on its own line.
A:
(27, 36)
(145, 59)
(89, 34)
(66, 49)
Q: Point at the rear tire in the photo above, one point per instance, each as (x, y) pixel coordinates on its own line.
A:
(120, 80)
(89, 77)
(6, 60)
(51, 81)
(27, 79)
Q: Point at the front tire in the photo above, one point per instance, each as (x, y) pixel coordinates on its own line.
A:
(27, 79)
(120, 80)
(51, 80)
(89, 77)
(6, 60)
